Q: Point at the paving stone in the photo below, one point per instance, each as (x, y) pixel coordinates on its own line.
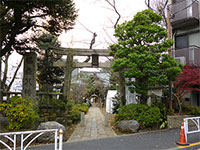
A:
(94, 127)
(101, 131)
(86, 134)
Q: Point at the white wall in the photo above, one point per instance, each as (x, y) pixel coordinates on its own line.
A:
(109, 100)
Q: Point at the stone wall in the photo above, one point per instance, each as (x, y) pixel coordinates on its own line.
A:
(175, 121)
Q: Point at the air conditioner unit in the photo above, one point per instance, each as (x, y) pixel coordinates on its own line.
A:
(181, 60)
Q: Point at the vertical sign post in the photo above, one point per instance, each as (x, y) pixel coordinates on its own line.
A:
(29, 76)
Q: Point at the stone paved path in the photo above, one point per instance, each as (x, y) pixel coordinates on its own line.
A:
(94, 127)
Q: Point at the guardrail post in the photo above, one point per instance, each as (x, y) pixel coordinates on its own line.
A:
(60, 139)
(56, 140)
(22, 141)
(14, 142)
(82, 119)
(185, 128)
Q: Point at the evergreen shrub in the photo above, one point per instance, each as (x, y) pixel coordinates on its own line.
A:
(191, 110)
(20, 112)
(148, 117)
(75, 111)
(162, 109)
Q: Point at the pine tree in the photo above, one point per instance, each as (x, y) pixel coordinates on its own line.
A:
(141, 53)
(47, 74)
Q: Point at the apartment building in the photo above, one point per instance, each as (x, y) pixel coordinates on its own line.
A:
(185, 24)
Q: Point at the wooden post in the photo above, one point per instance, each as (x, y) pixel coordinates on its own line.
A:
(68, 76)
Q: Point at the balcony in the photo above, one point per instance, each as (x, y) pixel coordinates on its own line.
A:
(187, 55)
(184, 13)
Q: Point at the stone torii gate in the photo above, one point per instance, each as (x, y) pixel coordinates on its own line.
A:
(70, 65)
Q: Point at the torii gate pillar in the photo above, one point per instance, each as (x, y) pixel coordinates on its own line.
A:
(68, 76)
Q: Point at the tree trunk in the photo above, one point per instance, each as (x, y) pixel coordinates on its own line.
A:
(178, 97)
(143, 99)
(1, 97)
(122, 89)
(170, 96)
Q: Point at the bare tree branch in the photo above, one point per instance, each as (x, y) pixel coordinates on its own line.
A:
(108, 35)
(5, 71)
(160, 7)
(91, 44)
(147, 2)
(85, 27)
(14, 76)
(93, 40)
(116, 11)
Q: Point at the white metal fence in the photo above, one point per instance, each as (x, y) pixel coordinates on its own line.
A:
(25, 136)
(196, 121)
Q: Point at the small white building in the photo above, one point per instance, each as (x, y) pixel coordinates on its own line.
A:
(109, 100)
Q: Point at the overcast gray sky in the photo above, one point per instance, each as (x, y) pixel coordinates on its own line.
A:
(97, 16)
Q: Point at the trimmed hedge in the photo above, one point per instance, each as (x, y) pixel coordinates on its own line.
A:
(148, 117)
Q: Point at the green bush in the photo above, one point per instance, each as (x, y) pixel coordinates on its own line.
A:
(75, 111)
(85, 104)
(148, 117)
(74, 114)
(191, 110)
(83, 108)
(70, 104)
(20, 112)
(162, 109)
(129, 112)
(59, 103)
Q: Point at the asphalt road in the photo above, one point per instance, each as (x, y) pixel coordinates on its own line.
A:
(161, 140)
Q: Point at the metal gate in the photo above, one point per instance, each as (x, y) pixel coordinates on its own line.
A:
(196, 121)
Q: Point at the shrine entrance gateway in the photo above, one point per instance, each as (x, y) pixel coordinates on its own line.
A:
(70, 65)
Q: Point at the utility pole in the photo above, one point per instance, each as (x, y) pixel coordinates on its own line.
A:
(1, 91)
(169, 51)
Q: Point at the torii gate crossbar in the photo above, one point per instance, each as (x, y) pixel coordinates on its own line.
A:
(70, 65)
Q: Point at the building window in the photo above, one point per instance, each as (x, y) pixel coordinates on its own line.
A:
(181, 41)
(194, 39)
(187, 40)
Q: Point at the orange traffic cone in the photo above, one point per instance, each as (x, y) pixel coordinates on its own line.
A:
(182, 140)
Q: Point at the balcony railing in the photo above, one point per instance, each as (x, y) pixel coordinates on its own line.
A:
(187, 55)
(184, 13)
